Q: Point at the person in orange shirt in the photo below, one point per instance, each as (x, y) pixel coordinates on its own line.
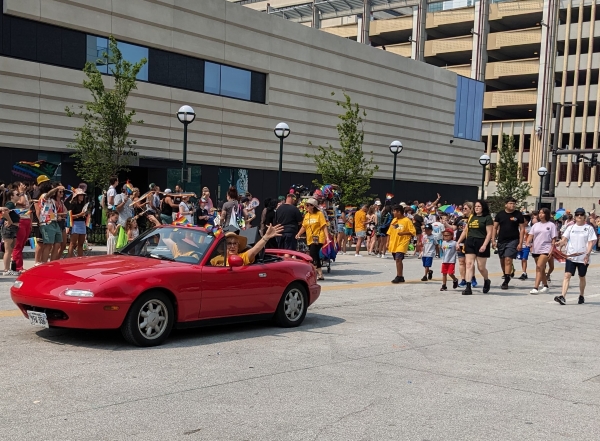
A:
(401, 231)
(360, 228)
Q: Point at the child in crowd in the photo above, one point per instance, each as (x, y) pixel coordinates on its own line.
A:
(112, 230)
(429, 246)
(523, 255)
(401, 231)
(131, 228)
(448, 259)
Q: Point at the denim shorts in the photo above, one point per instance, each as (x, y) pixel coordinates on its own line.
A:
(78, 228)
(362, 233)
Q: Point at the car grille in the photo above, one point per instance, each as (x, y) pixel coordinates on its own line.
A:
(52, 314)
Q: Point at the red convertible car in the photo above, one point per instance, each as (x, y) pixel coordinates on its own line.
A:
(145, 291)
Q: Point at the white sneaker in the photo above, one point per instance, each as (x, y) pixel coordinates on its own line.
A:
(357, 255)
(544, 289)
(534, 291)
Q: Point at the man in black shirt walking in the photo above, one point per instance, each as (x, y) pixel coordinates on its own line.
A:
(509, 233)
(289, 216)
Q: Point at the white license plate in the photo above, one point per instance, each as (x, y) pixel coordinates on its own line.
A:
(38, 319)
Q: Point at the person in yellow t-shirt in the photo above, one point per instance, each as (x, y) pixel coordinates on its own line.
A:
(401, 231)
(236, 246)
(315, 226)
(360, 227)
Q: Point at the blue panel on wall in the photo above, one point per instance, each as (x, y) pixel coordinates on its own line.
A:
(468, 109)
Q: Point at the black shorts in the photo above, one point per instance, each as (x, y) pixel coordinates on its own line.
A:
(508, 248)
(535, 256)
(473, 244)
(571, 266)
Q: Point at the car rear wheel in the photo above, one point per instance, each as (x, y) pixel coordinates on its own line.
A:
(149, 320)
(292, 306)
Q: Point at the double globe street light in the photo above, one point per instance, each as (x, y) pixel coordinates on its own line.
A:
(282, 131)
(484, 161)
(395, 147)
(186, 116)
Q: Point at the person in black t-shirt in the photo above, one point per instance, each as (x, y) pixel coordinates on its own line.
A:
(290, 217)
(201, 214)
(509, 232)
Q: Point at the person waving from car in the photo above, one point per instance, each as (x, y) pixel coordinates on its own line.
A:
(236, 246)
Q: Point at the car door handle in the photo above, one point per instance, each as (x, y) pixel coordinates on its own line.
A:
(262, 275)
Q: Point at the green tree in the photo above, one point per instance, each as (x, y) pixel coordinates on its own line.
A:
(347, 166)
(102, 144)
(510, 181)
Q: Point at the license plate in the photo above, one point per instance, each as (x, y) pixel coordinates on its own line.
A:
(38, 319)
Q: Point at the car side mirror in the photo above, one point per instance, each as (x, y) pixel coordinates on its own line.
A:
(235, 261)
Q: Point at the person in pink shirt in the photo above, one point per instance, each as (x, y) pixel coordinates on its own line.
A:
(542, 235)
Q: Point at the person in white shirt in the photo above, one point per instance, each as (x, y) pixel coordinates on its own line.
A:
(579, 240)
(112, 193)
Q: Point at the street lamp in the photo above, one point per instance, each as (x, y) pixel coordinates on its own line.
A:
(395, 148)
(552, 178)
(282, 131)
(484, 160)
(186, 116)
(542, 172)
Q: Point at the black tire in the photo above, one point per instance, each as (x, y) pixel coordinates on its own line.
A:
(295, 301)
(163, 308)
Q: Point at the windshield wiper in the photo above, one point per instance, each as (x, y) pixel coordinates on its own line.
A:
(159, 257)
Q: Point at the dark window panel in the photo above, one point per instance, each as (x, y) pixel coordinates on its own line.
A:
(5, 35)
(177, 74)
(49, 44)
(258, 88)
(73, 49)
(158, 66)
(195, 74)
(23, 38)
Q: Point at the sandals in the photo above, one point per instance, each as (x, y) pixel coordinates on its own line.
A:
(321, 278)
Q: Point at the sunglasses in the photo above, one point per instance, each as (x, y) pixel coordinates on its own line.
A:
(232, 244)
(579, 214)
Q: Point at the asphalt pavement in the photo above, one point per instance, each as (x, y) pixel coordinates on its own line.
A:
(372, 361)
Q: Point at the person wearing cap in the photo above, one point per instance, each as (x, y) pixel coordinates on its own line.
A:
(429, 249)
(579, 240)
(166, 208)
(112, 192)
(448, 259)
(236, 246)
(290, 217)
(123, 206)
(202, 215)
(48, 221)
(317, 233)
(400, 231)
(508, 236)
(78, 228)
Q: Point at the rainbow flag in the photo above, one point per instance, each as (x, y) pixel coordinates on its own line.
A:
(32, 242)
(129, 188)
(389, 196)
(22, 211)
(69, 219)
(181, 221)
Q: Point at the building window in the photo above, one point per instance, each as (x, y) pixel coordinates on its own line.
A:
(134, 54)
(212, 78)
(235, 82)
(98, 46)
(95, 49)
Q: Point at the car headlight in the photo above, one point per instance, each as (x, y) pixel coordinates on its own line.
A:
(79, 293)
(17, 284)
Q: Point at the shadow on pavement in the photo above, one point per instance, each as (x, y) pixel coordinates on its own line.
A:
(111, 340)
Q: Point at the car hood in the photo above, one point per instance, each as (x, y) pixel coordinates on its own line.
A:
(78, 269)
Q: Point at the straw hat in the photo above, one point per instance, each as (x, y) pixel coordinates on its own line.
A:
(242, 241)
(77, 192)
(313, 202)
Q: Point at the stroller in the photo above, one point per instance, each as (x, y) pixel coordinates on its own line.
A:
(327, 253)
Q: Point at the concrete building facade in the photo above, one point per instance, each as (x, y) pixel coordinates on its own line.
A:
(532, 55)
(243, 72)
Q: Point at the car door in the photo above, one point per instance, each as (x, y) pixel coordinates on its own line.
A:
(236, 291)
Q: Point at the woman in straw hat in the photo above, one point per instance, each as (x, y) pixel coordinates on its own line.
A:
(236, 246)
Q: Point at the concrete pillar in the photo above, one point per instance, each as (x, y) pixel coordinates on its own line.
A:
(419, 31)
(364, 23)
(481, 29)
(316, 16)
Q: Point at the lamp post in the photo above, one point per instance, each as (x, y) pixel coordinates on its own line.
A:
(282, 131)
(186, 116)
(552, 178)
(484, 160)
(395, 147)
(542, 172)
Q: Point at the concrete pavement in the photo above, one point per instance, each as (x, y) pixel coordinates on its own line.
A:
(372, 361)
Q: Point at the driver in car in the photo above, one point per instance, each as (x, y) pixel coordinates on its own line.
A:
(236, 246)
(180, 246)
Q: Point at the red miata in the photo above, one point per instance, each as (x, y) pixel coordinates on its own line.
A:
(145, 291)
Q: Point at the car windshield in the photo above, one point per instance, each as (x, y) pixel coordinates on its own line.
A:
(186, 245)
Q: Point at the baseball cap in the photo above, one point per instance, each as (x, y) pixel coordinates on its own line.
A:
(580, 211)
(377, 202)
(42, 178)
(292, 195)
(151, 186)
(428, 227)
(168, 190)
(403, 204)
(448, 230)
(204, 201)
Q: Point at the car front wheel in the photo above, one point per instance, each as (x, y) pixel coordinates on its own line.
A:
(292, 306)
(149, 320)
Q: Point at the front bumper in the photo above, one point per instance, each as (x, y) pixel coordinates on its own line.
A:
(315, 292)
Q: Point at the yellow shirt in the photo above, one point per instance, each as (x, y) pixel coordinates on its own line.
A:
(178, 253)
(359, 221)
(220, 260)
(313, 224)
(399, 243)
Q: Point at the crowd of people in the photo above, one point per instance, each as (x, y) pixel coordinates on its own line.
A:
(463, 234)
